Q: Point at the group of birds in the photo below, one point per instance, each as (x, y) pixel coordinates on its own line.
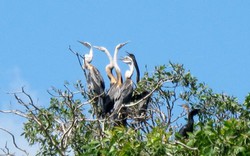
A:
(113, 101)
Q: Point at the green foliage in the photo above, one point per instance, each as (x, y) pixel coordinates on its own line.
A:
(66, 125)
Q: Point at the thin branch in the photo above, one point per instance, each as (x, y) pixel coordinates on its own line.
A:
(14, 141)
(95, 120)
(7, 152)
(190, 148)
(17, 112)
(157, 86)
(33, 116)
(183, 113)
(91, 100)
(20, 101)
(67, 132)
(78, 57)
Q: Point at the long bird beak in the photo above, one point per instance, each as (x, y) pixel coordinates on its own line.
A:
(103, 49)
(98, 47)
(87, 44)
(125, 59)
(131, 55)
(119, 46)
(127, 42)
(123, 44)
(122, 58)
(128, 53)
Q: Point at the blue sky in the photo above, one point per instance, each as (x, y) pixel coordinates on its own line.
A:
(211, 38)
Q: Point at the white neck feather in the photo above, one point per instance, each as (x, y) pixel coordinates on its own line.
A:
(88, 57)
(129, 73)
(111, 64)
(115, 61)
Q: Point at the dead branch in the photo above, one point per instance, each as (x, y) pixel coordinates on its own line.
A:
(186, 146)
(78, 57)
(16, 112)
(14, 141)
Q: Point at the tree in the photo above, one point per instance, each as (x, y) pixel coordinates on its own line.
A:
(66, 127)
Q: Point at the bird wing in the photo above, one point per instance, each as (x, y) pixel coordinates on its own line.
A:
(96, 80)
(126, 91)
(109, 98)
(124, 94)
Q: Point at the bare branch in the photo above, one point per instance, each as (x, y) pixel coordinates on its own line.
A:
(91, 100)
(17, 112)
(182, 144)
(183, 113)
(160, 83)
(14, 141)
(67, 132)
(78, 57)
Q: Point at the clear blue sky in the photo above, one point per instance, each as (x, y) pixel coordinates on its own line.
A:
(211, 38)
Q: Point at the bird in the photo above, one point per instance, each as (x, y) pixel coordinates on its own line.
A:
(108, 102)
(189, 127)
(132, 56)
(110, 66)
(125, 93)
(95, 80)
(115, 83)
(143, 105)
(117, 68)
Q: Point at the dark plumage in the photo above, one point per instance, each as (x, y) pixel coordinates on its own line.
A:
(125, 93)
(95, 80)
(109, 99)
(115, 85)
(189, 127)
(143, 105)
(132, 56)
(108, 67)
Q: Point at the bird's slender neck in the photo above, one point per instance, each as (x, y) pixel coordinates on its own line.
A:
(190, 119)
(132, 56)
(191, 115)
(86, 62)
(137, 74)
(110, 67)
(129, 72)
(137, 70)
(110, 75)
(90, 55)
(117, 69)
(109, 56)
(88, 58)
